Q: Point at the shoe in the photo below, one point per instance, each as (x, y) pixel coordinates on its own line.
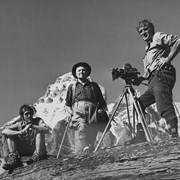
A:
(87, 150)
(12, 162)
(37, 156)
(174, 133)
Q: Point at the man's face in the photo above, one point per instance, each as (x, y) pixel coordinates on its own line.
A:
(81, 72)
(145, 32)
(27, 115)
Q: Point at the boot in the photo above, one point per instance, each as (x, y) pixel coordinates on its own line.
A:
(173, 132)
(12, 162)
(37, 156)
(81, 142)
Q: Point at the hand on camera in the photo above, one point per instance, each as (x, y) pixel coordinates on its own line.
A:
(138, 80)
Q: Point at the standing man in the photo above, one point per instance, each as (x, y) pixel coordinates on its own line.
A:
(25, 137)
(82, 101)
(161, 49)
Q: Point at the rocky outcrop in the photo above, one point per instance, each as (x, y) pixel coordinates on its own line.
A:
(143, 161)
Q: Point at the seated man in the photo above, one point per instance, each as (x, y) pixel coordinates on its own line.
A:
(25, 137)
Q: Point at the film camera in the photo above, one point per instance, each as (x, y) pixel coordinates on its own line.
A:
(127, 73)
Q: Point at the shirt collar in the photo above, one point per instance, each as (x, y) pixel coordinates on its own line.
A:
(87, 81)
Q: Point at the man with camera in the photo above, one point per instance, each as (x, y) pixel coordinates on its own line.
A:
(161, 49)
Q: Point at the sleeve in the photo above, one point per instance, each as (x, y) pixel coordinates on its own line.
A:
(41, 122)
(40, 125)
(69, 96)
(166, 39)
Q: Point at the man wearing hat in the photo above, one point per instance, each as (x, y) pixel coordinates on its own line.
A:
(82, 101)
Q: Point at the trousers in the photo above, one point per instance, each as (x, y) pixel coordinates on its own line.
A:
(159, 90)
(83, 123)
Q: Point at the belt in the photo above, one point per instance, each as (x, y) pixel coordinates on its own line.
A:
(85, 101)
(168, 66)
(165, 66)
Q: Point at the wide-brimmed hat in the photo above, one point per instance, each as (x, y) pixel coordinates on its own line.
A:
(83, 64)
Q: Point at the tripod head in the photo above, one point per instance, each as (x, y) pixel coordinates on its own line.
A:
(127, 73)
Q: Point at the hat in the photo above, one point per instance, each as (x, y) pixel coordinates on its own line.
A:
(83, 64)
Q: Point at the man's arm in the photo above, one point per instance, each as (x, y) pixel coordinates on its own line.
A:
(173, 42)
(41, 127)
(174, 51)
(139, 80)
(11, 130)
(69, 97)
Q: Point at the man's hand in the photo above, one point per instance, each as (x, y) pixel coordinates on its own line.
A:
(138, 80)
(26, 128)
(164, 60)
(69, 110)
(100, 110)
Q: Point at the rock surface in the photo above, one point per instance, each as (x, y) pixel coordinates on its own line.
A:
(143, 161)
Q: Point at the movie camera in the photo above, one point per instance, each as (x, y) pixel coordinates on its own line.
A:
(128, 73)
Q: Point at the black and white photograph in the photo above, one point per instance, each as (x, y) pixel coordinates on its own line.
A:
(89, 90)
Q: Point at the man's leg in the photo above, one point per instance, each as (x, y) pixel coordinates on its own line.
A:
(39, 148)
(40, 143)
(13, 160)
(92, 134)
(80, 122)
(81, 137)
(167, 111)
(146, 99)
(163, 85)
(11, 145)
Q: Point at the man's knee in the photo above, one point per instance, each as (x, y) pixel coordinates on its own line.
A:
(142, 105)
(40, 139)
(40, 135)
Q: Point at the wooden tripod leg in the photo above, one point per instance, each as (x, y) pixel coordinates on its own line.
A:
(110, 120)
(141, 115)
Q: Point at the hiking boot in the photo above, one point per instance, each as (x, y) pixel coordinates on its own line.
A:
(86, 151)
(173, 132)
(37, 156)
(12, 162)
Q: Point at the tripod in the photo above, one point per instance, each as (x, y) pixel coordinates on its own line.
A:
(137, 112)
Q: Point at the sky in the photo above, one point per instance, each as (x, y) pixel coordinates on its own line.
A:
(41, 40)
